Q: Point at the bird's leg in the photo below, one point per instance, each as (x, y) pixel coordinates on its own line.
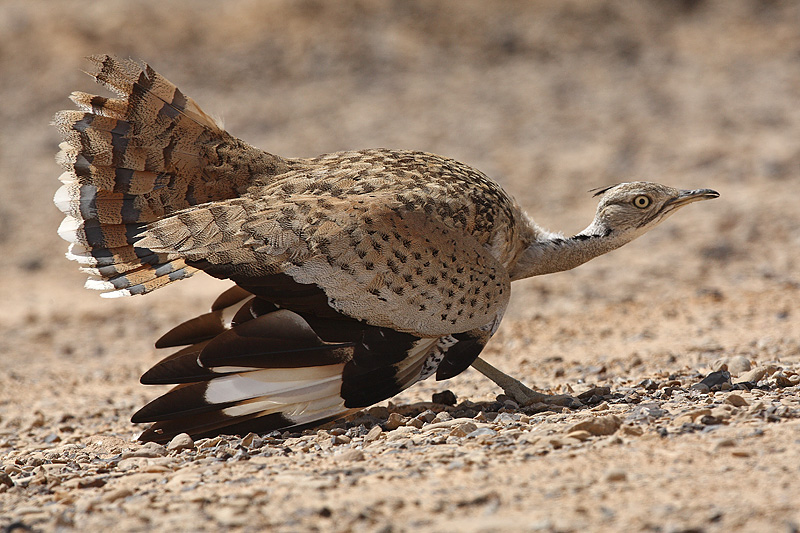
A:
(516, 390)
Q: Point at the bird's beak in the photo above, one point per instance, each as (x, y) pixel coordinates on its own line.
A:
(687, 197)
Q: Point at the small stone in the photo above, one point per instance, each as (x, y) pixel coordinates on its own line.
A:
(90, 482)
(394, 421)
(482, 432)
(426, 416)
(781, 379)
(725, 443)
(209, 443)
(444, 416)
(252, 440)
(736, 400)
(373, 434)
(505, 419)
(594, 391)
(150, 449)
(738, 365)
(130, 463)
(340, 439)
(715, 379)
(631, 430)
(511, 405)
(181, 441)
(463, 429)
(415, 422)
(446, 397)
(378, 411)
(615, 475)
(580, 435)
(117, 494)
(38, 419)
(6, 480)
(696, 414)
(34, 460)
(156, 448)
(350, 455)
(601, 425)
(719, 365)
(648, 384)
(757, 374)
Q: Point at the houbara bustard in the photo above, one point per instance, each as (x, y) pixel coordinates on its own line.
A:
(356, 273)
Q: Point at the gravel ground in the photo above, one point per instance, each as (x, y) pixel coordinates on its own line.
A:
(680, 353)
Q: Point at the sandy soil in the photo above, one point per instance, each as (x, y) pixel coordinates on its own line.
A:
(549, 98)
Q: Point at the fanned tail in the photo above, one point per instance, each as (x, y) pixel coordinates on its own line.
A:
(132, 160)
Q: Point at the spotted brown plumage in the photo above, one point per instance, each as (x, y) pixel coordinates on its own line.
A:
(357, 273)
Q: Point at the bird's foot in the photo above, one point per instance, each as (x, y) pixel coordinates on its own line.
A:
(517, 391)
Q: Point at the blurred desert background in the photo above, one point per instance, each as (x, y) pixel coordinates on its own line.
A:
(549, 98)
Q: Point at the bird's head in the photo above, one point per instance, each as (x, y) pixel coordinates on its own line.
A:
(628, 210)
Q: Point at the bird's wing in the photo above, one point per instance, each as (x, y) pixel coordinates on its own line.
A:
(251, 366)
(376, 262)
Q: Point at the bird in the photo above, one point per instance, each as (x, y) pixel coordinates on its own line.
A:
(355, 274)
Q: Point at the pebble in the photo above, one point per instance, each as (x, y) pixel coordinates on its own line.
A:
(506, 419)
(463, 429)
(757, 374)
(208, 443)
(738, 365)
(415, 422)
(6, 480)
(373, 434)
(615, 475)
(482, 432)
(781, 380)
(631, 430)
(350, 455)
(691, 416)
(446, 397)
(340, 439)
(736, 400)
(724, 443)
(713, 380)
(150, 449)
(580, 435)
(394, 421)
(252, 440)
(426, 416)
(181, 441)
(443, 416)
(117, 494)
(601, 425)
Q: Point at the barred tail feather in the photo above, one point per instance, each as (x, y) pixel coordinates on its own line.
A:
(133, 160)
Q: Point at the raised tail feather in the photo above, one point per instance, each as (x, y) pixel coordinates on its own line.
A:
(132, 160)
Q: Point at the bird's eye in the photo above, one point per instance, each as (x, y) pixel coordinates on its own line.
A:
(642, 201)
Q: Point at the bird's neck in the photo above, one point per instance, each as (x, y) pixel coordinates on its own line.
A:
(555, 253)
